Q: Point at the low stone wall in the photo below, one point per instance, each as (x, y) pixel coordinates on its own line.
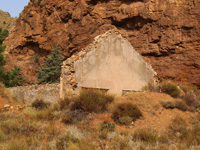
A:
(48, 92)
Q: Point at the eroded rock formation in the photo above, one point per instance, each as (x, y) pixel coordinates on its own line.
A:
(165, 32)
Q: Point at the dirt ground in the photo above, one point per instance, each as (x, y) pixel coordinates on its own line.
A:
(14, 105)
(154, 115)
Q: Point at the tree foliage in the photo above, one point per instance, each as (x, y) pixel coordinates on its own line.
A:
(3, 34)
(13, 78)
(50, 71)
(8, 78)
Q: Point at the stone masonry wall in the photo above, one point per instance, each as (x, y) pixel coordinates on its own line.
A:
(48, 92)
(128, 65)
(68, 71)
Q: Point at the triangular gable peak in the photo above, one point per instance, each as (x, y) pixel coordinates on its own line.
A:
(110, 63)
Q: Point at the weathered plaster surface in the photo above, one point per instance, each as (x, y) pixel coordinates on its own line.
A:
(110, 62)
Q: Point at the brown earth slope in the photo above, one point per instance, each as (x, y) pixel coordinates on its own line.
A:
(166, 33)
(6, 21)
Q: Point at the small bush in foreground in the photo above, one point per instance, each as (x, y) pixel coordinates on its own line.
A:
(192, 101)
(63, 103)
(9, 126)
(63, 141)
(126, 120)
(179, 104)
(92, 101)
(67, 119)
(191, 136)
(148, 135)
(44, 114)
(40, 104)
(107, 126)
(127, 109)
(170, 89)
(177, 125)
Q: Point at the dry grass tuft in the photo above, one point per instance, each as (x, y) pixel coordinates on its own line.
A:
(40, 104)
(147, 135)
(92, 101)
(171, 104)
(126, 109)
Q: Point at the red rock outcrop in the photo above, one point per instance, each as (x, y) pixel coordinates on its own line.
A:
(165, 32)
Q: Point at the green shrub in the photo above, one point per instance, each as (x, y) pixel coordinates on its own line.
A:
(92, 101)
(179, 104)
(40, 104)
(13, 78)
(148, 135)
(107, 126)
(127, 109)
(170, 89)
(8, 78)
(126, 120)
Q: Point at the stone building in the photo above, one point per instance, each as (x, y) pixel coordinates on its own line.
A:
(110, 63)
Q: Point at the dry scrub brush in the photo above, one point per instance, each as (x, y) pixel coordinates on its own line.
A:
(126, 112)
(92, 101)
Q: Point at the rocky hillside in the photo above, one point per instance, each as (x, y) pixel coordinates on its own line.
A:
(6, 21)
(166, 33)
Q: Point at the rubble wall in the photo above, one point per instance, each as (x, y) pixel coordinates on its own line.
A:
(47, 92)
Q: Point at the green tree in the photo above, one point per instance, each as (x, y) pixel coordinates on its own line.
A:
(3, 34)
(13, 78)
(50, 71)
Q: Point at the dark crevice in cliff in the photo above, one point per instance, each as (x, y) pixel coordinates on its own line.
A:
(160, 54)
(153, 54)
(35, 47)
(94, 2)
(131, 1)
(187, 28)
(155, 41)
(134, 23)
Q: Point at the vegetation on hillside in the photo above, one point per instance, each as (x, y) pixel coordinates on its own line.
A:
(50, 71)
(8, 78)
(45, 126)
(92, 101)
(189, 95)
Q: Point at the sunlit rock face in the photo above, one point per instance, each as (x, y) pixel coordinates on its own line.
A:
(165, 32)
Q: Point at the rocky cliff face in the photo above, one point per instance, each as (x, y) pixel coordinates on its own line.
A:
(6, 21)
(165, 32)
